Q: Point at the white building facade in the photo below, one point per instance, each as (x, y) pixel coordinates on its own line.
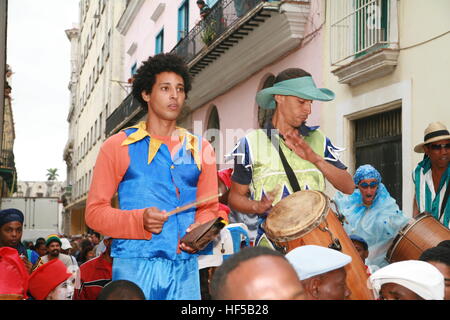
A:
(96, 88)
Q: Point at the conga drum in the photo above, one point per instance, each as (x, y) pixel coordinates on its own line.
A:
(420, 234)
(305, 218)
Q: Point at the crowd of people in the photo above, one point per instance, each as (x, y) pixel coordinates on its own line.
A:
(167, 181)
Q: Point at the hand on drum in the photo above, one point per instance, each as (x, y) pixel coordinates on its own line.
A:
(300, 147)
(260, 207)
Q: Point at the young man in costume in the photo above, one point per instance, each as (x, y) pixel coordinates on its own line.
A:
(155, 167)
(259, 169)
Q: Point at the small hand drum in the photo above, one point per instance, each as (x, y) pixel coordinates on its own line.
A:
(295, 216)
(420, 234)
(305, 218)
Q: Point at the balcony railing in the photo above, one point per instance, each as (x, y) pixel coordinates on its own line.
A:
(7, 159)
(8, 171)
(358, 27)
(228, 22)
(223, 16)
(126, 114)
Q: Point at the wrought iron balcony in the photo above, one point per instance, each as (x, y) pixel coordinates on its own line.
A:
(8, 170)
(126, 114)
(226, 23)
(66, 197)
(247, 35)
(7, 160)
(68, 189)
(243, 44)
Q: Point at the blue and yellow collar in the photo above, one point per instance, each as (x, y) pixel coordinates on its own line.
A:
(192, 142)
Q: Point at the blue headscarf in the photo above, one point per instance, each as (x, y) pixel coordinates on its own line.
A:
(366, 172)
(10, 215)
(377, 224)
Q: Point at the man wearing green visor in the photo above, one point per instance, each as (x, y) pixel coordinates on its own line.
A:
(286, 155)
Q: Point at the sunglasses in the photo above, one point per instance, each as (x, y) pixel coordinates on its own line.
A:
(365, 185)
(439, 146)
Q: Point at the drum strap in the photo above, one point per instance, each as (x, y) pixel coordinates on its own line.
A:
(444, 201)
(287, 168)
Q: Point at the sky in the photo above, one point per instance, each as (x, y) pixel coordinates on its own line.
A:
(38, 52)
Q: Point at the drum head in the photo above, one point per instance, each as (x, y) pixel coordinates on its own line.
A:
(296, 215)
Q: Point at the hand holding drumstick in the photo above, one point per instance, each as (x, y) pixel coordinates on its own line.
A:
(154, 219)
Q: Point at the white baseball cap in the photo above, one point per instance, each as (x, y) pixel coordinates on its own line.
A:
(65, 244)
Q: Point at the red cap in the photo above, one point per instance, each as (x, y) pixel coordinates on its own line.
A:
(225, 176)
(47, 277)
(13, 274)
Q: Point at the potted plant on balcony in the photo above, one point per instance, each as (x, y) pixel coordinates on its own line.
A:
(209, 33)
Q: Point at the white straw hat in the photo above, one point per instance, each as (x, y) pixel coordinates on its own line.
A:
(435, 131)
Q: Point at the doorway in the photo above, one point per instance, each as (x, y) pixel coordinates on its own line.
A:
(378, 142)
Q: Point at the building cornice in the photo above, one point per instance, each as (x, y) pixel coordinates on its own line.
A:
(72, 33)
(128, 16)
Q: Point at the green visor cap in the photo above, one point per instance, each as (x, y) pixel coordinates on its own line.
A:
(303, 87)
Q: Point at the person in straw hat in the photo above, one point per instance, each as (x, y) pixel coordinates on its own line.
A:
(432, 175)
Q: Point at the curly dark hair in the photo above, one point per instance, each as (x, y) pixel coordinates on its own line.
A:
(145, 77)
(291, 73)
(436, 254)
(121, 290)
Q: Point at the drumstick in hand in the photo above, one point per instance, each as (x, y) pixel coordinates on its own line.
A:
(193, 204)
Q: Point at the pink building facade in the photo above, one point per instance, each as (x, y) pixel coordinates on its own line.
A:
(253, 46)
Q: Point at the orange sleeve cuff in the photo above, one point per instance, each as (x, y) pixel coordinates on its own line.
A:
(208, 186)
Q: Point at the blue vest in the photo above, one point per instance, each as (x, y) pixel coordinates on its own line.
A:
(154, 185)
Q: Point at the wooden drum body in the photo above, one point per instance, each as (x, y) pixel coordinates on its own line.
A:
(422, 233)
(305, 218)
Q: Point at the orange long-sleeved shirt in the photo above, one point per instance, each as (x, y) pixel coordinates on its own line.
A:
(111, 165)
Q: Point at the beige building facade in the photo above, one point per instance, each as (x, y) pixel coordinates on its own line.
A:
(96, 88)
(40, 189)
(8, 172)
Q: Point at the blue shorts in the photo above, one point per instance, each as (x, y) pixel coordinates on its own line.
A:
(159, 278)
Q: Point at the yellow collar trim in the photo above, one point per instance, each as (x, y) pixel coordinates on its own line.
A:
(192, 143)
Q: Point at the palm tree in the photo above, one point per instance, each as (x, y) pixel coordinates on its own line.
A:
(52, 174)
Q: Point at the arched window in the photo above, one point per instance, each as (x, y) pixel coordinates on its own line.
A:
(265, 115)
(213, 120)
